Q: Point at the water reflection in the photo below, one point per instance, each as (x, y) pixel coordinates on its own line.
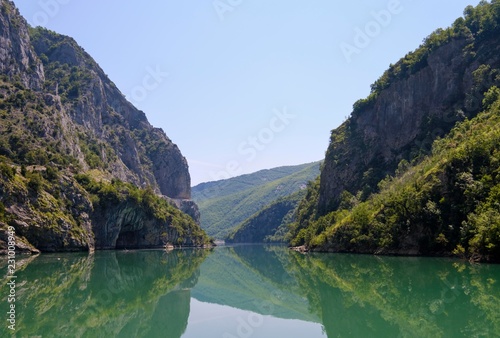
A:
(109, 294)
(408, 297)
(357, 296)
(150, 294)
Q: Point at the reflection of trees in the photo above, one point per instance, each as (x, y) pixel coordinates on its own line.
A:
(372, 296)
(142, 293)
(147, 293)
(252, 278)
(357, 296)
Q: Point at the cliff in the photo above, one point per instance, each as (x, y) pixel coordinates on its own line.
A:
(17, 57)
(418, 100)
(407, 111)
(61, 116)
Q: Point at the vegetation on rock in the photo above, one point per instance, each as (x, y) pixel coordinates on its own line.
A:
(414, 170)
(269, 225)
(62, 121)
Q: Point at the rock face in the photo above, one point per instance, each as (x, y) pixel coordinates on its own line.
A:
(413, 170)
(189, 207)
(144, 155)
(405, 118)
(17, 58)
(124, 226)
(60, 117)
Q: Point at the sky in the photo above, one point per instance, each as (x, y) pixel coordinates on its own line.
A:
(245, 85)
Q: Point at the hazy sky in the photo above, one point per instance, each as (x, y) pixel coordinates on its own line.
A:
(244, 85)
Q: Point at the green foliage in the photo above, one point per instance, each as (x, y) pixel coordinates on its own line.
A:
(448, 203)
(7, 171)
(306, 211)
(35, 182)
(2, 212)
(51, 174)
(269, 224)
(65, 78)
(30, 134)
(478, 23)
(23, 170)
(104, 194)
(92, 154)
(226, 204)
(491, 96)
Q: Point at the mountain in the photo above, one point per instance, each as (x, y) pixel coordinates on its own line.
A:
(82, 168)
(269, 224)
(225, 204)
(258, 280)
(387, 185)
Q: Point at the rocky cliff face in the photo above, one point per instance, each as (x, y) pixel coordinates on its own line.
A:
(143, 155)
(17, 58)
(389, 185)
(124, 226)
(406, 117)
(61, 116)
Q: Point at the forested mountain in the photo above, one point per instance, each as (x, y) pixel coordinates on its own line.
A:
(389, 183)
(81, 167)
(225, 204)
(269, 225)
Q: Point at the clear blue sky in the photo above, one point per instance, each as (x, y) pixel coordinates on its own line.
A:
(251, 84)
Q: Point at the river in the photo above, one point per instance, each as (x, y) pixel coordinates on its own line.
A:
(249, 291)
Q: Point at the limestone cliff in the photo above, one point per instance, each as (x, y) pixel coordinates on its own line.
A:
(17, 58)
(417, 100)
(413, 171)
(140, 153)
(66, 129)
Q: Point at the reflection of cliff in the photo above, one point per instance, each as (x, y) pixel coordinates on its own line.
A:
(148, 293)
(252, 278)
(355, 295)
(390, 297)
(109, 294)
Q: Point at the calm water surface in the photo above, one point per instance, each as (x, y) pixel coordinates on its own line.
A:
(250, 291)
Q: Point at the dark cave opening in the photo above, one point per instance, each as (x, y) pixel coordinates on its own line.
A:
(127, 240)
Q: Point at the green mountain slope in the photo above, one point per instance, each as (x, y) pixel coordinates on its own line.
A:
(447, 204)
(225, 204)
(446, 82)
(270, 224)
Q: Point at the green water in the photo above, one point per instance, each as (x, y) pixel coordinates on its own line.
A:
(250, 291)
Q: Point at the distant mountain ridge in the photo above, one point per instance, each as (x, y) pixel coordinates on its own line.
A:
(225, 204)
